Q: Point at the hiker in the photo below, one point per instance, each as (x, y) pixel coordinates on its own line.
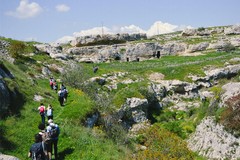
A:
(46, 140)
(55, 86)
(61, 97)
(38, 149)
(62, 86)
(41, 109)
(95, 69)
(54, 131)
(50, 112)
(51, 80)
(65, 92)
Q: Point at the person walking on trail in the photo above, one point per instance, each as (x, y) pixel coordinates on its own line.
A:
(55, 85)
(46, 140)
(51, 80)
(50, 112)
(38, 149)
(53, 130)
(61, 97)
(41, 110)
(65, 92)
(95, 69)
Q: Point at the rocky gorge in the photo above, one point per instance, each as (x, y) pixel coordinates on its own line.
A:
(211, 138)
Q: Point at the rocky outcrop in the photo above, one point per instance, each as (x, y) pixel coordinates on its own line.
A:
(4, 52)
(212, 141)
(11, 100)
(5, 95)
(133, 111)
(198, 47)
(231, 90)
(7, 157)
(96, 39)
(53, 51)
(232, 30)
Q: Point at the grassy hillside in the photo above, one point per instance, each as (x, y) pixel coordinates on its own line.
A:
(78, 142)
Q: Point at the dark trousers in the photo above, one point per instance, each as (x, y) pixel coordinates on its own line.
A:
(55, 147)
(61, 100)
(50, 117)
(43, 118)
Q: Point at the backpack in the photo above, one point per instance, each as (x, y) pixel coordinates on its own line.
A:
(41, 110)
(37, 151)
(45, 137)
(54, 132)
(61, 94)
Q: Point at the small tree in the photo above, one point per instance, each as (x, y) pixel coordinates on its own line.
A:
(16, 49)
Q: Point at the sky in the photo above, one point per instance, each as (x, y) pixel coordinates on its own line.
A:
(59, 20)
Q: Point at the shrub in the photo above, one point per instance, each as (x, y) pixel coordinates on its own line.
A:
(201, 29)
(162, 144)
(17, 48)
(230, 117)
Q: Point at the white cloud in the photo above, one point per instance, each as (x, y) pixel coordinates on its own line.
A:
(26, 10)
(93, 31)
(62, 8)
(162, 28)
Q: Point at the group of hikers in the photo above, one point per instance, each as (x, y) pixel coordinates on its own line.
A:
(62, 93)
(46, 141)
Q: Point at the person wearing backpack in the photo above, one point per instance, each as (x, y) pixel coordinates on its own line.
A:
(53, 130)
(46, 139)
(61, 97)
(50, 112)
(38, 149)
(51, 80)
(41, 109)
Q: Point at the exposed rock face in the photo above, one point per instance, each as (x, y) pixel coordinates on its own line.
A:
(231, 90)
(86, 40)
(189, 32)
(54, 52)
(7, 157)
(225, 72)
(212, 141)
(133, 111)
(198, 47)
(4, 52)
(4, 91)
(10, 100)
(232, 30)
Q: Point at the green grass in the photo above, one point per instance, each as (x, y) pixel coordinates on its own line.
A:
(173, 67)
(75, 141)
(78, 142)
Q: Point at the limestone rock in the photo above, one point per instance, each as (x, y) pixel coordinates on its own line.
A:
(198, 47)
(7, 157)
(230, 90)
(235, 29)
(212, 141)
(189, 32)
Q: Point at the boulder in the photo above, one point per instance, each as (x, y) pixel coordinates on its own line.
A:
(133, 111)
(189, 32)
(235, 29)
(198, 47)
(7, 157)
(230, 90)
(225, 72)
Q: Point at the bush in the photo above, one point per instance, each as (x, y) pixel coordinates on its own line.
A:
(16, 49)
(162, 144)
(230, 117)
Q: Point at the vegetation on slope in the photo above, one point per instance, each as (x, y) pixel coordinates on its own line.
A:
(164, 139)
